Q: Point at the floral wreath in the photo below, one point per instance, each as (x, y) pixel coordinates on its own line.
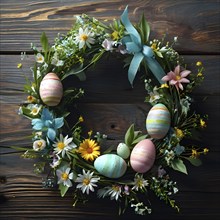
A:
(127, 172)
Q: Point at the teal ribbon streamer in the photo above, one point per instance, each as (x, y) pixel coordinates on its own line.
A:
(134, 45)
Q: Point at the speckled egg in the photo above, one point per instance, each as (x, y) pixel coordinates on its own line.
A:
(110, 165)
(158, 121)
(143, 156)
(123, 151)
(51, 89)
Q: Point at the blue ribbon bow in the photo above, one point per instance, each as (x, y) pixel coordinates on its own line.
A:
(140, 51)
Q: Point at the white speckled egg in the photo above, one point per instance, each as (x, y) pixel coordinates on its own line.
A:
(143, 156)
(51, 89)
(110, 165)
(158, 121)
(123, 150)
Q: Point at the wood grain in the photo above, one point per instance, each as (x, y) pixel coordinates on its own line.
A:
(96, 86)
(195, 22)
(109, 104)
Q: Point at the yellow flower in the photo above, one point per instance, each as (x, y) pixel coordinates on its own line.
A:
(199, 63)
(154, 46)
(115, 35)
(89, 149)
(90, 133)
(202, 123)
(206, 150)
(19, 65)
(164, 86)
(81, 119)
(31, 99)
(199, 74)
(179, 133)
(195, 153)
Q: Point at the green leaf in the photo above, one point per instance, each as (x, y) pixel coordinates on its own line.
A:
(159, 54)
(145, 29)
(129, 136)
(137, 134)
(194, 161)
(138, 139)
(97, 56)
(63, 189)
(76, 70)
(177, 164)
(81, 76)
(44, 42)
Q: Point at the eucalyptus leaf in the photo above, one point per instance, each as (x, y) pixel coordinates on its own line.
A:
(63, 189)
(177, 164)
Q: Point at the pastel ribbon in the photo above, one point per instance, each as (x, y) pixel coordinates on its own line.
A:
(134, 45)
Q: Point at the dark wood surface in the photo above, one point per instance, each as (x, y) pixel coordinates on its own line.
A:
(109, 105)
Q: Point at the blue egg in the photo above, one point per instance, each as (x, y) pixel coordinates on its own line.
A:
(110, 165)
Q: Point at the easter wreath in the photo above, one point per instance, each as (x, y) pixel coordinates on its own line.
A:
(137, 165)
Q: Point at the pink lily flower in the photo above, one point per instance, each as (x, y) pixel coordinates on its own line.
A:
(176, 78)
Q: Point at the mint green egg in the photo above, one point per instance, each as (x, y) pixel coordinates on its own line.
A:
(110, 165)
(123, 151)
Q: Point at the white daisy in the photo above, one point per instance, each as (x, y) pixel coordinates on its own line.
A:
(63, 145)
(86, 181)
(39, 58)
(139, 182)
(39, 145)
(64, 176)
(84, 37)
(114, 192)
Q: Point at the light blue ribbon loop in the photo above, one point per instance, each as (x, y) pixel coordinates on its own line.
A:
(134, 46)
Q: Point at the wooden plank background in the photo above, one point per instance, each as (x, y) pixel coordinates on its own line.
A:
(110, 105)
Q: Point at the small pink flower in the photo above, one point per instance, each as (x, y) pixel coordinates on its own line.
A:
(177, 78)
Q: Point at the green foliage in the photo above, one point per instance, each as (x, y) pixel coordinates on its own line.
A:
(132, 137)
(194, 161)
(63, 189)
(44, 42)
(144, 29)
(177, 164)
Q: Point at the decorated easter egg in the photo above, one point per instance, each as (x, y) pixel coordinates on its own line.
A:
(51, 89)
(158, 121)
(123, 150)
(143, 156)
(110, 165)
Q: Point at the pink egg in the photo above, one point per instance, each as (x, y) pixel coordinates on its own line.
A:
(51, 89)
(143, 156)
